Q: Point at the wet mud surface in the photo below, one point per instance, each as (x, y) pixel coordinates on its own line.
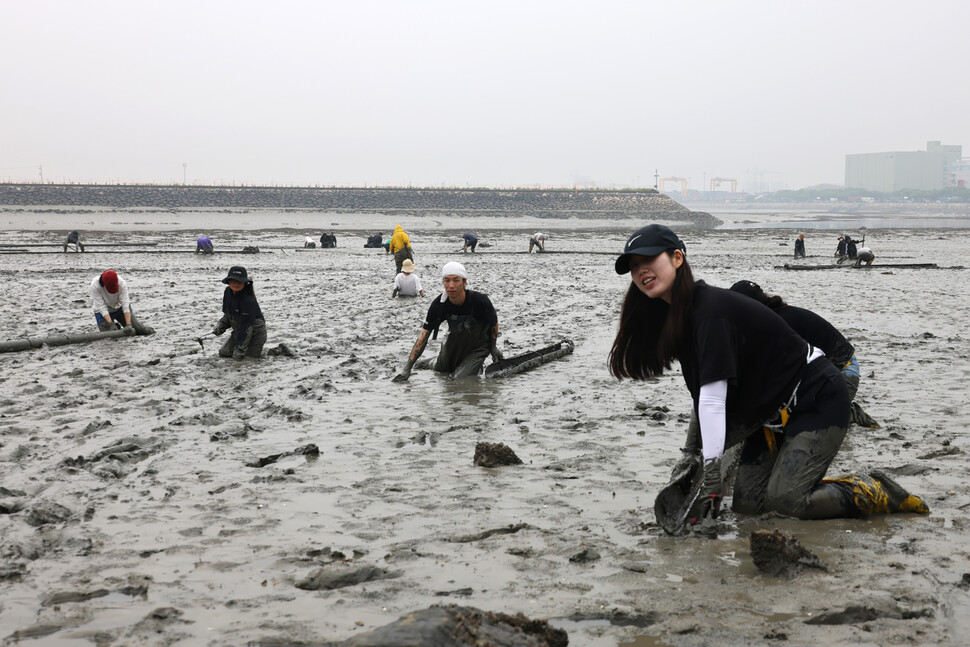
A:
(152, 493)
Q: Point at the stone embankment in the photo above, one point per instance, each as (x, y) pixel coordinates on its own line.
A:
(598, 204)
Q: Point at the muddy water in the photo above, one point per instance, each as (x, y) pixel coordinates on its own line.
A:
(179, 522)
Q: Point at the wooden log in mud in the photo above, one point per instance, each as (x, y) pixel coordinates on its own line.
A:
(881, 266)
(27, 343)
(530, 360)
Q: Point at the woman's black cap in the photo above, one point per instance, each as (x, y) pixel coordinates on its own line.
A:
(648, 241)
(237, 273)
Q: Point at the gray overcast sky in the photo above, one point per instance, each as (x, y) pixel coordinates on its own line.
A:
(475, 93)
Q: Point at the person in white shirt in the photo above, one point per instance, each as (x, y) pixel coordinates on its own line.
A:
(865, 255)
(112, 305)
(538, 240)
(407, 283)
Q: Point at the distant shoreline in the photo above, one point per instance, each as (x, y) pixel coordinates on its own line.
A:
(596, 204)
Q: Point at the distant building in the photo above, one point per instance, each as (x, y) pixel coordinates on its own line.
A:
(934, 168)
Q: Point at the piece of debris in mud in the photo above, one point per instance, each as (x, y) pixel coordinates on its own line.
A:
(311, 451)
(340, 576)
(778, 553)
(463, 627)
(282, 349)
(495, 454)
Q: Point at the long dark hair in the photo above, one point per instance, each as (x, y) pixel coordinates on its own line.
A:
(652, 332)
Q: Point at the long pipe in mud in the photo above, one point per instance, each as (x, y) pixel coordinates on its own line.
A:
(527, 361)
(27, 343)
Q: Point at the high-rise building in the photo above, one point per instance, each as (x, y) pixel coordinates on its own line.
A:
(934, 168)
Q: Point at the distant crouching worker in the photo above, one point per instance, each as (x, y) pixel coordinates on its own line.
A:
(241, 312)
(407, 283)
(309, 243)
(204, 245)
(74, 238)
(112, 305)
(472, 328)
(800, 246)
(840, 250)
(328, 240)
(400, 246)
(471, 240)
(865, 255)
(538, 240)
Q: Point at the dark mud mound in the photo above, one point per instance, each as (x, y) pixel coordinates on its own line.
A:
(778, 553)
(495, 454)
(456, 626)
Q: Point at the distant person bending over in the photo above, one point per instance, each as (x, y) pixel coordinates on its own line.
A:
(309, 243)
(538, 240)
(241, 312)
(850, 248)
(407, 283)
(203, 245)
(112, 305)
(800, 246)
(865, 255)
(400, 246)
(74, 238)
(374, 240)
(472, 328)
(821, 334)
(471, 240)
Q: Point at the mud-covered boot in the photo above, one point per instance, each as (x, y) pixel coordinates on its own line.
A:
(858, 416)
(899, 500)
(877, 493)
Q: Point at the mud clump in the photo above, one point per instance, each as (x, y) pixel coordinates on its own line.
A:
(779, 554)
(494, 455)
(455, 626)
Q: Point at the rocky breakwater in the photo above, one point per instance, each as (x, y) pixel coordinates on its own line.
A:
(594, 204)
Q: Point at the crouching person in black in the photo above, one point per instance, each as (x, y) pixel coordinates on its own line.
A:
(241, 312)
(472, 328)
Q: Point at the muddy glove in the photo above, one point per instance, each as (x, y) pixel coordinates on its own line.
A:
(497, 355)
(708, 501)
(129, 330)
(116, 325)
(218, 330)
(238, 354)
(405, 372)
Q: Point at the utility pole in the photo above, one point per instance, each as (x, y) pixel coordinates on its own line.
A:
(656, 179)
(41, 169)
(184, 167)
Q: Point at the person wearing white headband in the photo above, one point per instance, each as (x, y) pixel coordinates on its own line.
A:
(472, 328)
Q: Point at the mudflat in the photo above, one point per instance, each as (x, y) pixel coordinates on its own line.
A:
(153, 493)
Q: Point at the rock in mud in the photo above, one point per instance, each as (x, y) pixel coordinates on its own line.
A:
(495, 454)
(45, 512)
(337, 577)
(857, 613)
(455, 626)
(584, 556)
(778, 553)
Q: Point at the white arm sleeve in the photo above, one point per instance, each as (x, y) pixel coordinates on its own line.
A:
(712, 414)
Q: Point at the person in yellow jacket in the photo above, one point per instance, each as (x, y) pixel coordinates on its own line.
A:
(400, 246)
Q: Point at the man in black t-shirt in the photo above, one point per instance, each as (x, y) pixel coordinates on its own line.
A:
(472, 328)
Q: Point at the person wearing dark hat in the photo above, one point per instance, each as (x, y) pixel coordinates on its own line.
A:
(818, 332)
(841, 249)
(800, 246)
(472, 328)
(203, 245)
(74, 238)
(745, 368)
(241, 312)
(112, 305)
(471, 240)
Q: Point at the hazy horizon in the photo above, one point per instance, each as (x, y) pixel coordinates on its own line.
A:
(773, 95)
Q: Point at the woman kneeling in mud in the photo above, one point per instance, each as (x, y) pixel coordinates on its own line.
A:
(753, 380)
(241, 312)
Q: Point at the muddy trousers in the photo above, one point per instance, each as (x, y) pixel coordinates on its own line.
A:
(400, 256)
(782, 472)
(119, 316)
(464, 352)
(251, 346)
